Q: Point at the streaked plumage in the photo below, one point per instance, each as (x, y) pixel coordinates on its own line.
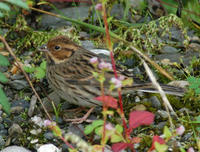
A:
(69, 73)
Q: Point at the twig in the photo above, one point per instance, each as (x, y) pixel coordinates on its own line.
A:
(160, 90)
(25, 74)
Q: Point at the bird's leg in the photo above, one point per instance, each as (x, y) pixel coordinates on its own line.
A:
(80, 120)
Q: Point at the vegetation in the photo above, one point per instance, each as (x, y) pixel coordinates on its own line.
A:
(148, 37)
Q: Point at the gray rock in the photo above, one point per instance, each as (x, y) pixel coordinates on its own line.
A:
(137, 99)
(36, 131)
(15, 149)
(49, 135)
(77, 130)
(155, 102)
(87, 45)
(3, 131)
(15, 129)
(32, 105)
(117, 11)
(140, 94)
(163, 114)
(161, 125)
(72, 12)
(54, 97)
(3, 68)
(2, 141)
(18, 84)
(16, 77)
(19, 105)
(169, 49)
(187, 137)
(59, 120)
(136, 3)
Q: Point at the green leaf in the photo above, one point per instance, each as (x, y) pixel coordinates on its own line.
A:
(95, 74)
(115, 138)
(167, 132)
(97, 123)
(19, 3)
(43, 65)
(4, 101)
(4, 6)
(29, 69)
(1, 14)
(39, 73)
(56, 131)
(88, 129)
(98, 131)
(182, 150)
(161, 147)
(119, 128)
(191, 79)
(194, 85)
(197, 90)
(3, 78)
(3, 61)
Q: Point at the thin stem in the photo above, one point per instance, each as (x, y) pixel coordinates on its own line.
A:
(25, 74)
(113, 65)
(66, 142)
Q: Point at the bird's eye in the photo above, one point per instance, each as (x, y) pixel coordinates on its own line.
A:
(57, 47)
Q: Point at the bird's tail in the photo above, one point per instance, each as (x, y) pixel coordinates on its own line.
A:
(148, 87)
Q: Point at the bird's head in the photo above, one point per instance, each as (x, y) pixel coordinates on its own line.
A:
(59, 49)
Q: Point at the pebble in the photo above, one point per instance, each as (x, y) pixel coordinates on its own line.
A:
(87, 45)
(36, 131)
(48, 148)
(137, 99)
(155, 102)
(15, 129)
(18, 84)
(38, 121)
(72, 12)
(49, 135)
(32, 105)
(34, 141)
(139, 107)
(161, 125)
(15, 149)
(169, 49)
(76, 129)
(16, 77)
(3, 131)
(163, 114)
(19, 105)
(2, 141)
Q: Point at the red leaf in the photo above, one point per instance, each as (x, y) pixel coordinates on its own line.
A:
(109, 101)
(120, 146)
(138, 118)
(156, 139)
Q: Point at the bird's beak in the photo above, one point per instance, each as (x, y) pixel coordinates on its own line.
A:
(43, 48)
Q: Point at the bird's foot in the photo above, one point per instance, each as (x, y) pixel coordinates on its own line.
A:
(81, 120)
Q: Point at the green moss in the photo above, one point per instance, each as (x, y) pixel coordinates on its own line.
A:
(22, 37)
(147, 36)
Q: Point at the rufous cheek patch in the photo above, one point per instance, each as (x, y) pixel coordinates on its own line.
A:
(61, 55)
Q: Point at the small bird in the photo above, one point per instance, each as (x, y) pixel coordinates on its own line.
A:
(69, 73)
